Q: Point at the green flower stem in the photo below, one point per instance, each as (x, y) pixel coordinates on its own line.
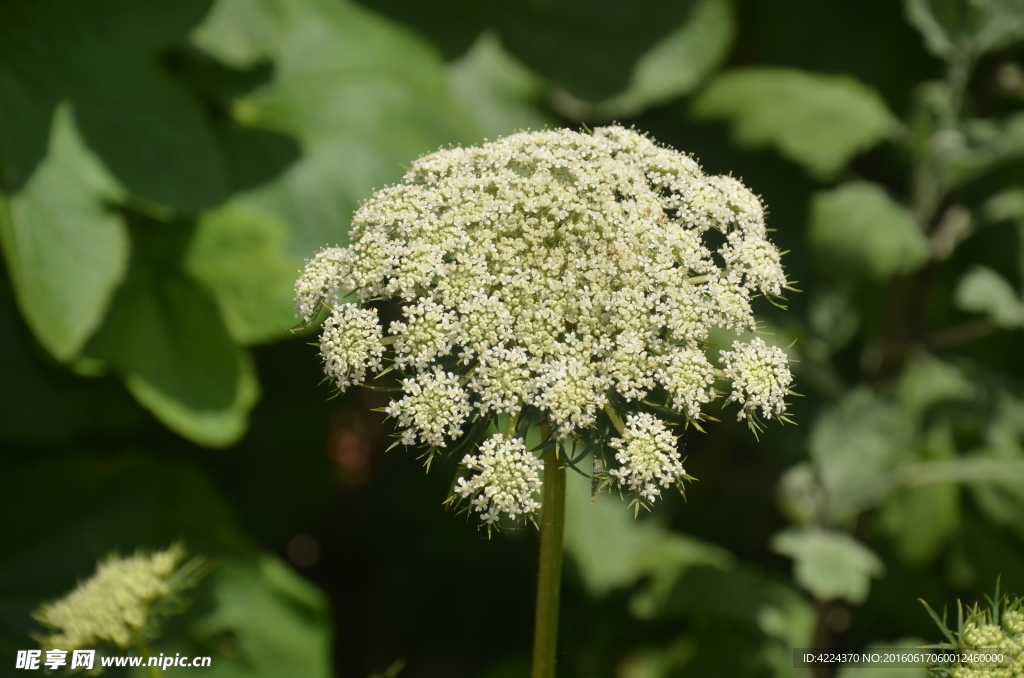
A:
(552, 526)
(151, 671)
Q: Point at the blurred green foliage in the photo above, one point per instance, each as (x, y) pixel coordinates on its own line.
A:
(166, 168)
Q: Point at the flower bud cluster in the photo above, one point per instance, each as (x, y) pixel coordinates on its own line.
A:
(350, 344)
(113, 605)
(760, 377)
(507, 479)
(647, 456)
(434, 408)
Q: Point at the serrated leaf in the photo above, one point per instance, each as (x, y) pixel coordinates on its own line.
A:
(164, 335)
(853, 448)
(818, 121)
(982, 290)
(66, 249)
(829, 564)
(239, 256)
(859, 229)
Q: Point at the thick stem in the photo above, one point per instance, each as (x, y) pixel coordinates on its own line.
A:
(151, 671)
(545, 630)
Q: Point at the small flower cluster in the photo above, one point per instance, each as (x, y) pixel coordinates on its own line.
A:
(558, 272)
(760, 377)
(507, 478)
(987, 633)
(648, 457)
(981, 636)
(115, 605)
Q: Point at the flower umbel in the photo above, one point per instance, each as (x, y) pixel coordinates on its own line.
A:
(120, 602)
(549, 276)
(648, 457)
(506, 480)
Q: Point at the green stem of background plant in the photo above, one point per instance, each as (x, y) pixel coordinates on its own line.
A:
(552, 524)
(151, 671)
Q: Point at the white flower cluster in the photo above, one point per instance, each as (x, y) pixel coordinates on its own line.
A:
(435, 406)
(557, 267)
(648, 457)
(507, 479)
(113, 605)
(351, 344)
(760, 377)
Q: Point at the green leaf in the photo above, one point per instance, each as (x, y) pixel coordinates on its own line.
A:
(612, 549)
(328, 55)
(588, 48)
(500, 94)
(164, 335)
(853, 447)
(277, 623)
(111, 64)
(984, 146)
(857, 228)
(982, 290)
(829, 564)
(928, 380)
(921, 519)
(241, 33)
(675, 65)
(818, 121)
(239, 256)
(66, 250)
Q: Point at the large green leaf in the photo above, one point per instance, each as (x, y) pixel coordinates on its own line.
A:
(588, 47)
(675, 65)
(858, 229)
(853, 448)
(829, 564)
(269, 620)
(109, 60)
(66, 249)
(818, 121)
(928, 380)
(165, 336)
(500, 94)
(612, 549)
(982, 290)
(363, 98)
(238, 255)
(921, 519)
